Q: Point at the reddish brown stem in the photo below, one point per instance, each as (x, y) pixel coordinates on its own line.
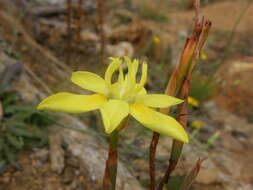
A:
(152, 151)
(177, 145)
(79, 21)
(101, 19)
(69, 37)
(109, 181)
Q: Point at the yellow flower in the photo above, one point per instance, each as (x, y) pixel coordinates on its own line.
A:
(192, 101)
(197, 124)
(116, 100)
(203, 56)
(157, 40)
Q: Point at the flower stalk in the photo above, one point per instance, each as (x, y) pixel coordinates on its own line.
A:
(177, 146)
(178, 86)
(173, 89)
(110, 175)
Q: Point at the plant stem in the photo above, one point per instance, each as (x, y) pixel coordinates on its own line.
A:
(177, 146)
(109, 181)
(173, 89)
(101, 20)
(69, 32)
(152, 152)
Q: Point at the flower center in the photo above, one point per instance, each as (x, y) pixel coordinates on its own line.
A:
(126, 87)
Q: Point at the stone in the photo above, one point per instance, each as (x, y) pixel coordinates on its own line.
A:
(89, 36)
(120, 50)
(41, 155)
(207, 176)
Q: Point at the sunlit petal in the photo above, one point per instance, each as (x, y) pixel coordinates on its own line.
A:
(72, 103)
(121, 75)
(142, 91)
(134, 69)
(113, 112)
(90, 81)
(144, 74)
(158, 122)
(114, 66)
(157, 100)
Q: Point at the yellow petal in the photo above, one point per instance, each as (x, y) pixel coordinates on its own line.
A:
(157, 100)
(158, 122)
(113, 112)
(197, 124)
(90, 81)
(132, 69)
(192, 101)
(143, 80)
(142, 91)
(114, 66)
(157, 40)
(121, 75)
(72, 103)
(203, 56)
(144, 74)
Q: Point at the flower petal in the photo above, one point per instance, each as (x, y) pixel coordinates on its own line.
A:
(144, 74)
(90, 81)
(158, 122)
(114, 66)
(157, 100)
(142, 91)
(113, 112)
(72, 103)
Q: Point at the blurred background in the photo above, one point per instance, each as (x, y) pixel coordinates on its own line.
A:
(43, 41)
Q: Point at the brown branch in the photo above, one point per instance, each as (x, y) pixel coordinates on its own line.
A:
(109, 181)
(177, 145)
(69, 36)
(101, 19)
(79, 20)
(152, 152)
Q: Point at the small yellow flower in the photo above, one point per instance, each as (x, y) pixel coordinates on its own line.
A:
(192, 101)
(203, 56)
(197, 124)
(156, 39)
(116, 100)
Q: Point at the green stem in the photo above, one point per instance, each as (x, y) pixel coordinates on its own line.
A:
(109, 182)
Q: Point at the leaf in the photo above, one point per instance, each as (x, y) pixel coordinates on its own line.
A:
(14, 141)
(20, 116)
(19, 130)
(10, 155)
(42, 119)
(1, 143)
(175, 182)
(8, 99)
(20, 108)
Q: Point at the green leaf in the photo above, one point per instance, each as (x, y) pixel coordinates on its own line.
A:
(14, 141)
(10, 155)
(8, 99)
(19, 130)
(20, 108)
(1, 143)
(175, 182)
